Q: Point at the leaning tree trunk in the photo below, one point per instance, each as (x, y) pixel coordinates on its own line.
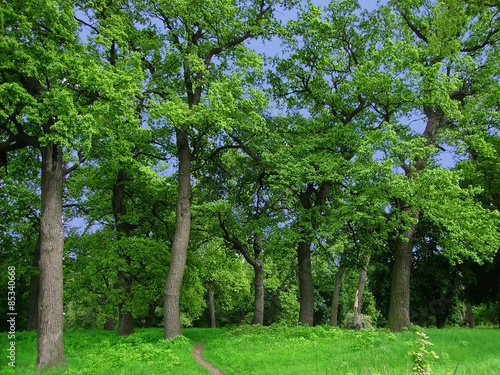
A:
(173, 284)
(334, 313)
(258, 267)
(358, 298)
(34, 290)
(399, 307)
(50, 301)
(306, 287)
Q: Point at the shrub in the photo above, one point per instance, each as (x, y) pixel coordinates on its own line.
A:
(365, 319)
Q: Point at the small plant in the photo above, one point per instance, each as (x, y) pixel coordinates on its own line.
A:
(420, 355)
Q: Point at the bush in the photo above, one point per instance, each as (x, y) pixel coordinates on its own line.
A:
(365, 319)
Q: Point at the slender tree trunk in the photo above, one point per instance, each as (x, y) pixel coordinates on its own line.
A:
(110, 324)
(497, 258)
(258, 267)
(34, 290)
(306, 287)
(274, 305)
(125, 316)
(50, 301)
(399, 307)
(151, 315)
(258, 282)
(470, 316)
(180, 244)
(211, 303)
(334, 313)
(358, 298)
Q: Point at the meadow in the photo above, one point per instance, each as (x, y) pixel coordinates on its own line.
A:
(266, 350)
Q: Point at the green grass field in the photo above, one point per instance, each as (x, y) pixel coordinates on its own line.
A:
(265, 350)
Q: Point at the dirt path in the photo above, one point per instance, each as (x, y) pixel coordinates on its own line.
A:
(197, 350)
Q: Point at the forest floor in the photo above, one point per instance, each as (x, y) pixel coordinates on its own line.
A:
(276, 350)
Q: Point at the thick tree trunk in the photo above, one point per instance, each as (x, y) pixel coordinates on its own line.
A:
(358, 298)
(125, 323)
(399, 307)
(110, 324)
(151, 315)
(180, 244)
(306, 287)
(334, 313)
(211, 303)
(34, 290)
(50, 301)
(470, 316)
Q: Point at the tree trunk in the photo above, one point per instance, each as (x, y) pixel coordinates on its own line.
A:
(470, 316)
(306, 287)
(180, 243)
(125, 316)
(358, 298)
(258, 267)
(399, 307)
(211, 303)
(110, 324)
(336, 294)
(34, 290)
(151, 315)
(274, 305)
(50, 341)
(258, 282)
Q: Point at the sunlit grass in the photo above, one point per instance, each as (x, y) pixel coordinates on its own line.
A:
(265, 350)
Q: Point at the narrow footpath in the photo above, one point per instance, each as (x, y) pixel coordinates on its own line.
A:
(197, 350)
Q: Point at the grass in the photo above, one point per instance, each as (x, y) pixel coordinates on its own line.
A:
(265, 350)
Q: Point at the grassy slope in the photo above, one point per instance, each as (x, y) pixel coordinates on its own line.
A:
(266, 350)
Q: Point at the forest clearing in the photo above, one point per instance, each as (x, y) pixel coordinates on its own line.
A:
(276, 350)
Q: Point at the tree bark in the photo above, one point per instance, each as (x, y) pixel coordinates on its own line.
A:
(151, 315)
(258, 282)
(274, 305)
(358, 298)
(306, 287)
(50, 341)
(470, 316)
(336, 294)
(123, 228)
(125, 316)
(34, 290)
(180, 243)
(110, 324)
(399, 306)
(211, 302)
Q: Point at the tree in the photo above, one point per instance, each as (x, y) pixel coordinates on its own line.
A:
(437, 57)
(331, 127)
(196, 48)
(51, 99)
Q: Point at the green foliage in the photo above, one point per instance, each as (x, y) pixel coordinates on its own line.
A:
(420, 355)
(365, 319)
